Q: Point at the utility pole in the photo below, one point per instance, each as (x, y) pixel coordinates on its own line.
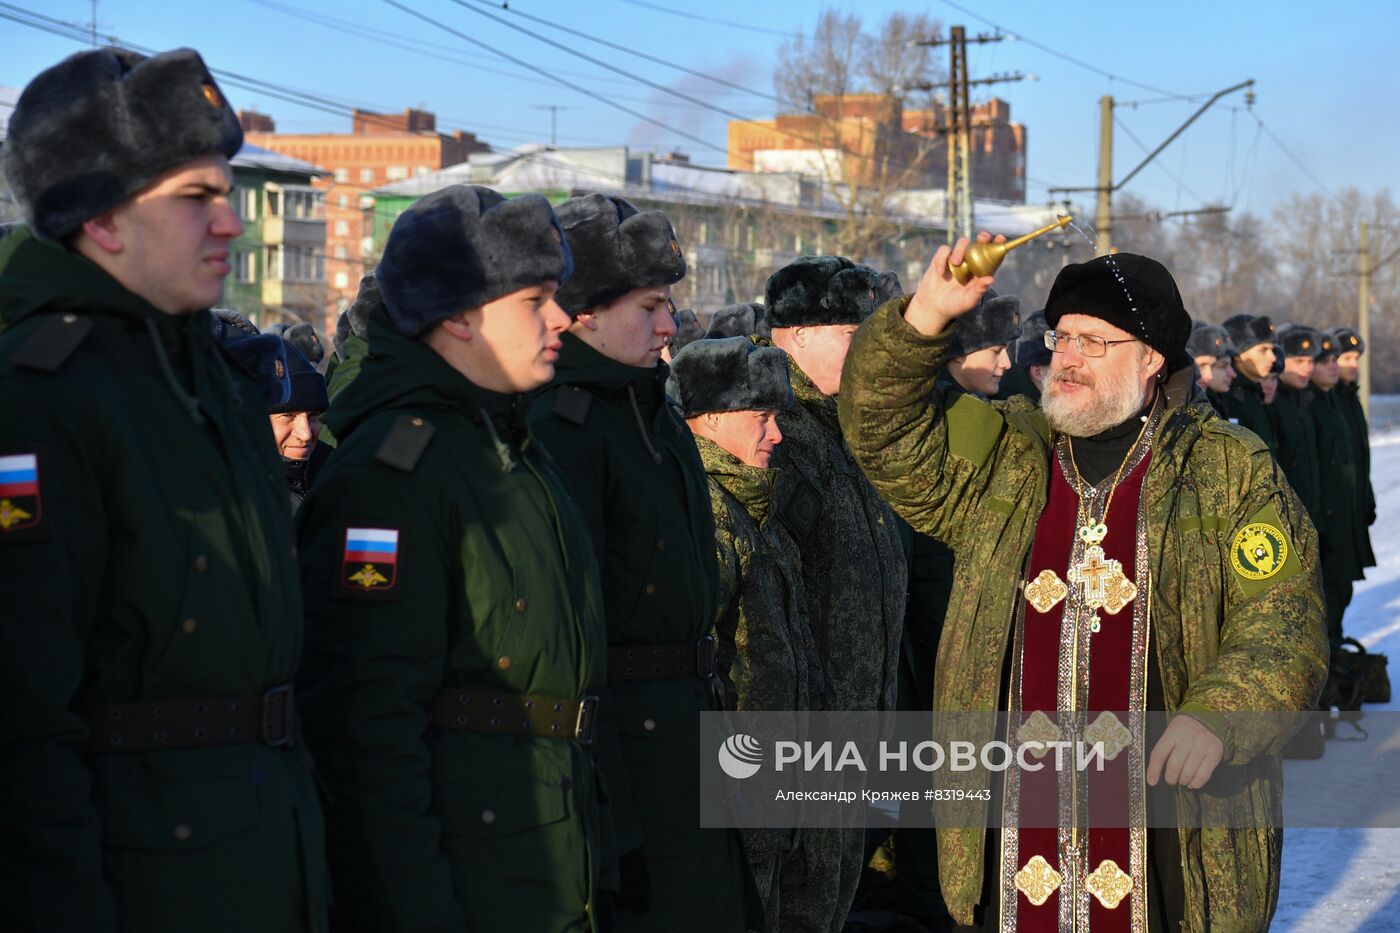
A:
(553, 118)
(1103, 216)
(958, 209)
(1363, 372)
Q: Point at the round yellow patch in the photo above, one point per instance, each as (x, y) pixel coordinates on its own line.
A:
(1259, 551)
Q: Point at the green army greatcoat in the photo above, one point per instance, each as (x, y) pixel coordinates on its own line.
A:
(492, 587)
(1297, 446)
(976, 475)
(152, 562)
(633, 467)
(1349, 399)
(1243, 404)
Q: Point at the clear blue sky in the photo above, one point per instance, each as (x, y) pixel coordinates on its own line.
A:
(1326, 81)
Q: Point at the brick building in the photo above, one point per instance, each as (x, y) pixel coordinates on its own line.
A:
(871, 139)
(380, 149)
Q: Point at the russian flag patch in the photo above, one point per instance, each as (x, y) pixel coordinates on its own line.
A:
(20, 502)
(371, 559)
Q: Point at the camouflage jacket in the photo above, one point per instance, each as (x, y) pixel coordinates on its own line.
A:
(767, 659)
(975, 474)
(853, 560)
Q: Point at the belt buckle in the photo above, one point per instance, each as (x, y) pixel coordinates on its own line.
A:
(278, 717)
(587, 716)
(705, 657)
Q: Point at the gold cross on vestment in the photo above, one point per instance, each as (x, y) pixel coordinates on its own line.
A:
(1101, 582)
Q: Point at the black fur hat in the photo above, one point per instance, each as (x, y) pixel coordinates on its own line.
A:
(463, 246)
(995, 322)
(616, 249)
(1277, 368)
(1299, 340)
(308, 386)
(262, 357)
(688, 330)
(742, 320)
(99, 126)
(1131, 292)
(729, 374)
(814, 291)
(1330, 348)
(1347, 339)
(303, 336)
(1248, 331)
(1208, 339)
(1030, 345)
(887, 287)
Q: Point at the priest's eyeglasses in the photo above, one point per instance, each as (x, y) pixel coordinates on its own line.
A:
(1086, 344)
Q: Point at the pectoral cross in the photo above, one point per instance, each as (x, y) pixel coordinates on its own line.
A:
(1102, 584)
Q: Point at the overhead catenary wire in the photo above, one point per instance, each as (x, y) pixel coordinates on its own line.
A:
(696, 17)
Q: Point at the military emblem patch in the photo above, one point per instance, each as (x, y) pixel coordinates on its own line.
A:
(212, 96)
(20, 502)
(370, 563)
(1258, 551)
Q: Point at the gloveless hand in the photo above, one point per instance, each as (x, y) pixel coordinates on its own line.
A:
(1186, 754)
(940, 300)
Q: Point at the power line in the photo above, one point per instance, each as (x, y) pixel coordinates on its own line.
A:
(1168, 172)
(685, 14)
(1070, 58)
(1296, 161)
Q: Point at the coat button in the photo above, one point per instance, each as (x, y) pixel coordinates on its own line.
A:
(503, 664)
(416, 422)
(188, 626)
(488, 816)
(651, 589)
(520, 604)
(201, 563)
(649, 725)
(183, 832)
(660, 545)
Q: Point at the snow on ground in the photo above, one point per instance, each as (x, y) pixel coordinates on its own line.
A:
(1346, 880)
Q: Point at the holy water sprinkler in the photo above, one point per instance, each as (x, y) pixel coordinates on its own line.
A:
(986, 258)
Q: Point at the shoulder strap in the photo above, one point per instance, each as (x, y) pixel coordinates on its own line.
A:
(403, 446)
(572, 403)
(52, 342)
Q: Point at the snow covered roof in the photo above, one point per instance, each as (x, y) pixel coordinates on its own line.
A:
(251, 156)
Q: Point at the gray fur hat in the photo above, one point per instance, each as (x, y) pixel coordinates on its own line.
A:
(688, 330)
(887, 287)
(1298, 340)
(463, 246)
(303, 336)
(1347, 339)
(1247, 331)
(616, 249)
(746, 319)
(354, 320)
(729, 374)
(99, 126)
(1030, 345)
(995, 322)
(815, 291)
(1208, 340)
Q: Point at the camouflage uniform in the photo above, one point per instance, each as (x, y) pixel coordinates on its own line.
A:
(975, 474)
(856, 575)
(766, 656)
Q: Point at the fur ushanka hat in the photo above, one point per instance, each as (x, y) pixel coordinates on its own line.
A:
(1248, 331)
(616, 249)
(816, 291)
(463, 246)
(742, 320)
(729, 374)
(995, 322)
(1030, 344)
(1299, 340)
(99, 126)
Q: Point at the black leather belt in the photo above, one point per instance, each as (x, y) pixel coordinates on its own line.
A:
(516, 714)
(269, 718)
(661, 662)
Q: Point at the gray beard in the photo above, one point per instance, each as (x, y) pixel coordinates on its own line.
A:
(1102, 414)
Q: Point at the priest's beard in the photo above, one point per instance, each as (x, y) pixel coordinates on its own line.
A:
(1114, 398)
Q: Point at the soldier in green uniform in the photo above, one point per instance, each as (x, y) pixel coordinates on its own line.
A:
(1292, 420)
(854, 564)
(1341, 525)
(730, 393)
(455, 638)
(154, 777)
(1030, 361)
(635, 472)
(1214, 536)
(1253, 340)
(1350, 347)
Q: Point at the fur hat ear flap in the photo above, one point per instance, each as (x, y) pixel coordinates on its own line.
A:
(729, 374)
